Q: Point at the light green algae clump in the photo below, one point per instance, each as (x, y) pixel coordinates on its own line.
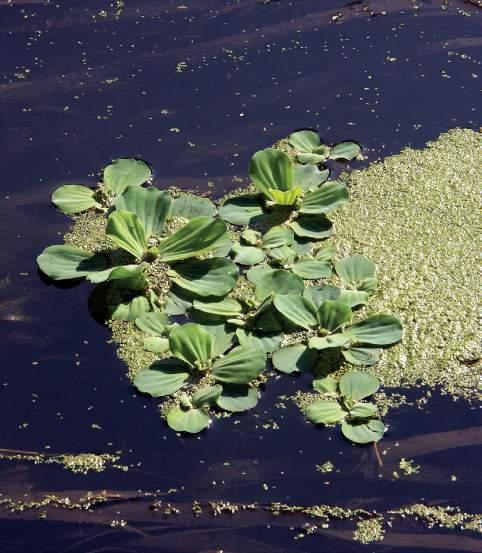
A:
(416, 215)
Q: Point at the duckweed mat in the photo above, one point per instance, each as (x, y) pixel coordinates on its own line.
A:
(417, 215)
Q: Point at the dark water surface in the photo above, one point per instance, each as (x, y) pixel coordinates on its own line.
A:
(195, 88)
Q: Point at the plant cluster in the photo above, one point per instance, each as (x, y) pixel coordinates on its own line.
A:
(216, 290)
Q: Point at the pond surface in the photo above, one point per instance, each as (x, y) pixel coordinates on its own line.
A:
(195, 88)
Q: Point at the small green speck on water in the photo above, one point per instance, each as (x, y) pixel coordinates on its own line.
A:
(408, 467)
(327, 466)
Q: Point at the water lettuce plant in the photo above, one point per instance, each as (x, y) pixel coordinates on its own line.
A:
(283, 182)
(208, 304)
(342, 403)
(310, 150)
(277, 247)
(219, 380)
(135, 225)
(75, 198)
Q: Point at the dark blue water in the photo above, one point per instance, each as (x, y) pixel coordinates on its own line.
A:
(195, 88)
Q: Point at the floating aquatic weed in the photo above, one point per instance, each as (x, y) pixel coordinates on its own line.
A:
(325, 313)
(136, 225)
(360, 422)
(196, 358)
(310, 150)
(165, 254)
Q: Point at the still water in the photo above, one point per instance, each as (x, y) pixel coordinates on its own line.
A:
(195, 88)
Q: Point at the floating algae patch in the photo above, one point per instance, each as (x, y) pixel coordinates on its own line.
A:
(417, 215)
(130, 346)
(369, 530)
(78, 463)
(369, 526)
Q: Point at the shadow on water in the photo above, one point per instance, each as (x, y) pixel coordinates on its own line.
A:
(195, 88)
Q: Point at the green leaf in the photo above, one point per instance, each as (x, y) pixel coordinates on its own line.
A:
(304, 141)
(280, 282)
(325, 412)
(132, 276)
(227, 307)
(364, 411)
(196, 237)
(162, 378)
(207, 396)
(308, 177)
(205, 277)
(354, 269)
(240, 365)
(64, 262)
(126, 230)
(222, 247)
(190, 206)
(153, 323)
(312, 269)
(353, 297)
(187, 420)
(326, 253)
(361, 355)
(285, 197)
(271, 169)
(380, 330)
(358, 385)
(327, 342)
(296, 358)
(74, 198)
(364, 433)
(278, 236)
(326, 385)
(149, 204)
(222, 338)
(345, 150)
(124, 172)
(319, 294)
(251, 237)
(297, 310)
(302, 246)
(129, 309)
(329, 196)
(368, 284)
(312, 227)
(178, 301)
(240, 211)
(332, 314)
(311, 158)
(156, 344)
(192, 344)
(322, 149)
(284, 255)
(266, 341)
(265, 318)
(255, 274)
(247, 255)
(237, 398)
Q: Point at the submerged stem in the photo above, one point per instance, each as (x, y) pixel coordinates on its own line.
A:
(377, 454)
